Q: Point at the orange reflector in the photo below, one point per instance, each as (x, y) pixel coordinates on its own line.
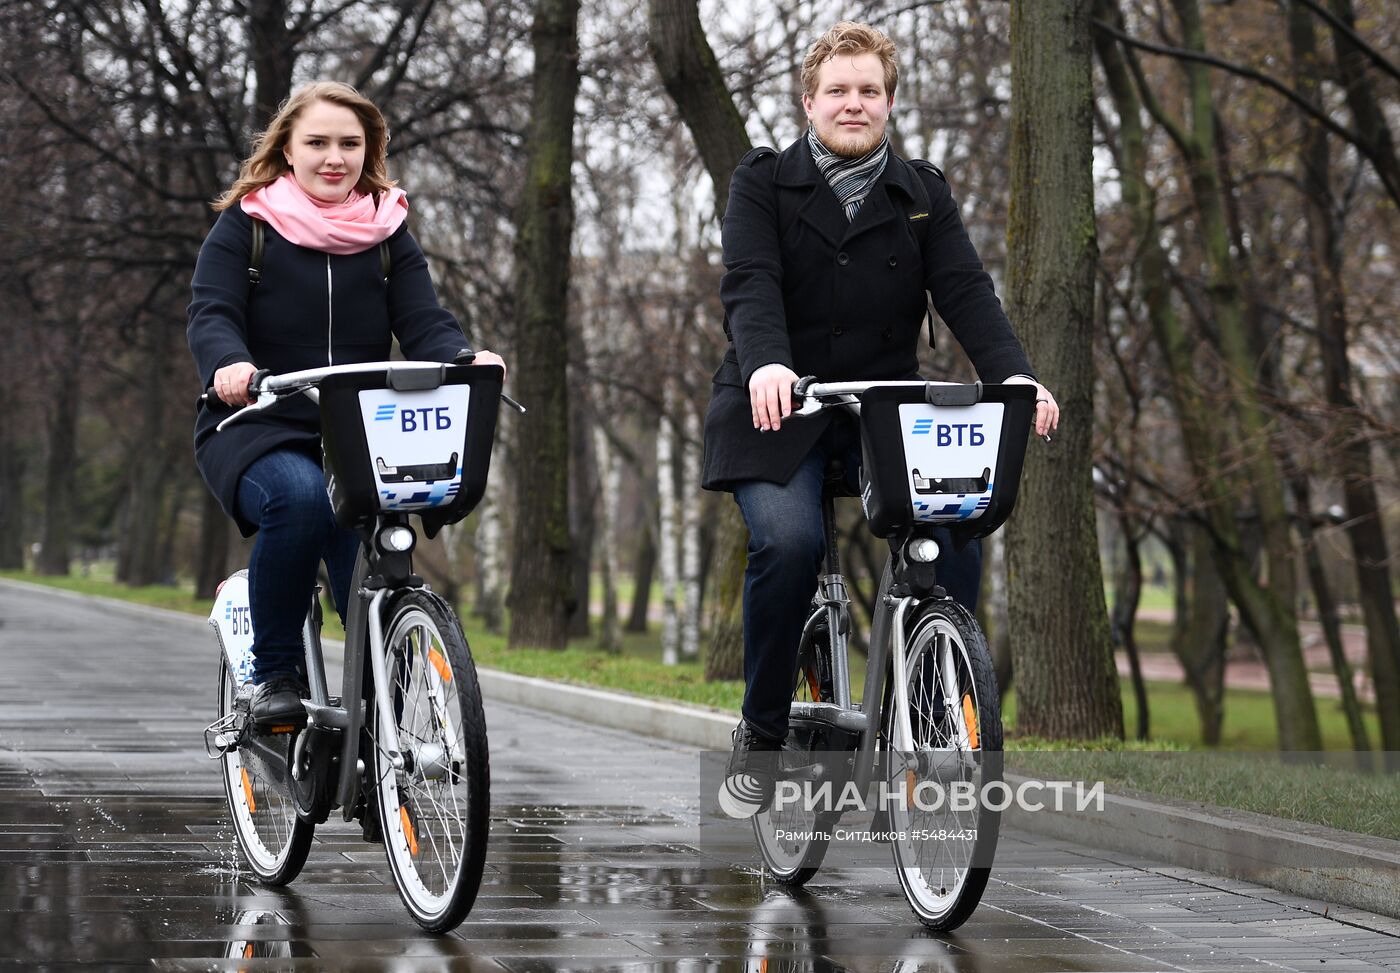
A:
(970, 718)
(408, 831)
(813, 688)
(248, 951)
(248, 791)
(911, 781)
(440, 664)
(289, 728)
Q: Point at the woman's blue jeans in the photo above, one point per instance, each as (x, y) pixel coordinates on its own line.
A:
(284, 494)
(786, 552)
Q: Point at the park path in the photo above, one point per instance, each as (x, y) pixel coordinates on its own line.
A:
(115, 852)
(1253, 674)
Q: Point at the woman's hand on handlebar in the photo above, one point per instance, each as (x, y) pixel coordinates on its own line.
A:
(1047, 410)
(231, 383)
(489, 358)
(770, 395)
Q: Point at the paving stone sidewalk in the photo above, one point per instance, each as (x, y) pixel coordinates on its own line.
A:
(115, 854)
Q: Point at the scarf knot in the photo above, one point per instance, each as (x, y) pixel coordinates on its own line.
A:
(352, 226)
(850, 178)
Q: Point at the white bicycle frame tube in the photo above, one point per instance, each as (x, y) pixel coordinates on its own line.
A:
(383, 703)
(899, 692)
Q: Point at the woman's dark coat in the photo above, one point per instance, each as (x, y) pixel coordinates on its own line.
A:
(841, 300)
(310, 309)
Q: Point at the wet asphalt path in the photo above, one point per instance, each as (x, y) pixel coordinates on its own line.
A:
(115, 854)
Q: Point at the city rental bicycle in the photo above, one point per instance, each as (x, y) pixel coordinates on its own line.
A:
(403, 747)
(933, 455)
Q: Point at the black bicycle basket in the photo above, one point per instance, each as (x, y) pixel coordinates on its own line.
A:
(413, 441)
(945, 455)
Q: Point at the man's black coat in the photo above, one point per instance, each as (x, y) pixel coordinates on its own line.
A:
(840, 300)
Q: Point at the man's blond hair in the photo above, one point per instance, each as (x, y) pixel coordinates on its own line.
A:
(849, 38)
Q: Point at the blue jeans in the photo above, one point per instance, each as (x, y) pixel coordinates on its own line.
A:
(284, 493)
(786, 553)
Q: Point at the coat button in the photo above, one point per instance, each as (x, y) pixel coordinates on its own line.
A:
(894, 261)
(887, 334)
(836, 330)
(842, 258)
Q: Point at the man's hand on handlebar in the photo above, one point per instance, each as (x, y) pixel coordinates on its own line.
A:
(231, 383)
(1047, 410)
(770, 394)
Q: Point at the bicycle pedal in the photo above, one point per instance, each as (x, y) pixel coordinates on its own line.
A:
(221, 736)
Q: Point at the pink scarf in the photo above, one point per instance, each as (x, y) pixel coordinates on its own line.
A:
(340, 228)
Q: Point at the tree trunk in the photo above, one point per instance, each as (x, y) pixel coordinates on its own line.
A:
(1268, 611)
(1365, 527)
(1127, 592)
(1201, 648)
(55, 552)
(690, 532)
(610, 474)
(1067, 687)
(274, 56)
(211, 560)
(490, 553)
(583, 518)
(725, 658)
(1361, 100)
(12, 457)
(666, 528)
(540, 579)
(692, 78)
(992, 610)
(147, 471)
(1327, 616)
(643, 571)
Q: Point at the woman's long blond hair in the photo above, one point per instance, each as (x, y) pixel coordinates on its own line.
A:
(267, 163)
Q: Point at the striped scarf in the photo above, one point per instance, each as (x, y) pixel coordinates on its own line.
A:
(851, 179)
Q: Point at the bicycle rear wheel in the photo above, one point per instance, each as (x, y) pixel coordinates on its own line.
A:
(942, 852)
(792, 861)
(273, 838)
(435, 809)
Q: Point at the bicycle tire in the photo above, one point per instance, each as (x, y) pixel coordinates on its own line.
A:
(435, 811)
(792, 862)
(273, 838)
(943, 879)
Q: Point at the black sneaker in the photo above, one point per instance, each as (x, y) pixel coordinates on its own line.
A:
(752, 774)
(276, 701)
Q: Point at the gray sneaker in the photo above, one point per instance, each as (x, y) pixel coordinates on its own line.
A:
(752, 774)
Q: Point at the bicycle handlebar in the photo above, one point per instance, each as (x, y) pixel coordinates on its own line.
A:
(267, 389)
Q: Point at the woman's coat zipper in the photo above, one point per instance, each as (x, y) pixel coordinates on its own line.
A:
(330, 316)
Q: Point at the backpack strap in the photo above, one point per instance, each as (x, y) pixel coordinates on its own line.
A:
(255, 258)
(924, 203)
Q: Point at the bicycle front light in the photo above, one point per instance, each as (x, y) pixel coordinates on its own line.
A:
(397, 539)
(922, 549)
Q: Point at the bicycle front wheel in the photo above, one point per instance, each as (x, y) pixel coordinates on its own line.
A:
(942, 848)
(273, 838)
(434, 807)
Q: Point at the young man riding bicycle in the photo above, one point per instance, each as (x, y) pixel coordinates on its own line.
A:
(830, 249)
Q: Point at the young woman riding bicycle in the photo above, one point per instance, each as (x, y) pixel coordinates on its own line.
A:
(336, 279)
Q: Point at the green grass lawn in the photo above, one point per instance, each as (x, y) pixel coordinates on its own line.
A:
(1332, 796)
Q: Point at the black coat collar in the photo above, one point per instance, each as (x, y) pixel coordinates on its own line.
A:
(822, 211)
